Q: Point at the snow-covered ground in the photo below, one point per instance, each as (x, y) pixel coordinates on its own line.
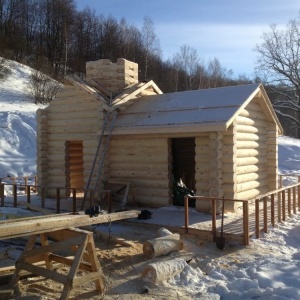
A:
(267, 269)
(17, 123)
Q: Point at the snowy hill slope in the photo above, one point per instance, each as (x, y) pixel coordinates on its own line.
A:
(17, 123)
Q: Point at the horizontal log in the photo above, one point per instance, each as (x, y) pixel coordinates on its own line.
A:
(135, 143)
(132, 174)
(72, 121)
(153, 201)
(201, 141)
(139, 160)
(242, 136)
(72, 136)
(245, 186)
(85, 128)
(138, 167)
(57, 222)
(140, 151)
(258, 115)
(250, 194)
(61, 108)
(250, 145)
(162, 245)
(229, 177)
(246, 161)
(243, 169)
(151, 192)
(251, 152)
(251, 122)
(251, 177)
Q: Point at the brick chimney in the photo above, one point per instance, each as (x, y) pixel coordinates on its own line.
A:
(114, 77)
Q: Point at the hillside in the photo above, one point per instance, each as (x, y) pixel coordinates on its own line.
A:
(17, 123)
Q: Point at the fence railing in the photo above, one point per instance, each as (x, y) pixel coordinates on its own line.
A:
(30, 189)
(270, 208)
(214, 200)
(276, 206)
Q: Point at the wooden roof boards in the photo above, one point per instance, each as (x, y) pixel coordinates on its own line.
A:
(189, 111)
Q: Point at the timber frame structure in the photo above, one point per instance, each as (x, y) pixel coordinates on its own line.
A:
(219, 142)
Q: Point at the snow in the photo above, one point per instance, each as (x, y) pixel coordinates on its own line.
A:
(269, 268)
(17, 123)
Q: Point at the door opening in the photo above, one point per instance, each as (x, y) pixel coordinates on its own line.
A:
(183, 166)
(74, 166)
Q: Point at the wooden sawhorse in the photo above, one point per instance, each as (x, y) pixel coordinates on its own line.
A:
(85, 258)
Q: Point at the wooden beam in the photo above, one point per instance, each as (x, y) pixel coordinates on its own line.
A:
(37, 225)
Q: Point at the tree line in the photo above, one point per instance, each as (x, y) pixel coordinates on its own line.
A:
(54, 37)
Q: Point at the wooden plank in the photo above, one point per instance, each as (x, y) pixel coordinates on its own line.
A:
(56, 222)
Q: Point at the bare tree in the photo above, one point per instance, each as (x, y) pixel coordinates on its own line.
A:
(43, 87)
(278, 66)
(187, 59)
(218, 75)
(150, 43)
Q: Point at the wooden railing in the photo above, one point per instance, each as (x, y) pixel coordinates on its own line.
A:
(29, 189)
(214, 200)
(276, 206)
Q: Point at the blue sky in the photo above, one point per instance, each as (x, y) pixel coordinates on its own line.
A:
(226, 29)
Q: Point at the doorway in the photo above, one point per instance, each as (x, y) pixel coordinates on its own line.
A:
(183, 167)
(74, 165)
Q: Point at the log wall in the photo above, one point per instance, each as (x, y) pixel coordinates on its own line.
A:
(255, 152)
(72, 116)
(203, 167)
(229, 165)
(145, 162)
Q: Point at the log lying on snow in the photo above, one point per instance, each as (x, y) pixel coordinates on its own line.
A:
(162, 245)
(160, 271)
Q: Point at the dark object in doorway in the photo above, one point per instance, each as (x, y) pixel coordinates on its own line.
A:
(145, 214)
(179, 191)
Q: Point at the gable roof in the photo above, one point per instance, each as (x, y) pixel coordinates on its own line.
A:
(190, 111)
(128, 94)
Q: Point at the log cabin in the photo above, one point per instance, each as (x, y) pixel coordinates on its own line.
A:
(220, 142)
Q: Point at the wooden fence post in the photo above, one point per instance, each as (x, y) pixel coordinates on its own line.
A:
(15, 195)
(214, 217)
(265, 214)
(289, 203)
(246, 223)
(294, 200)
(186, 212)
(28, 193)
(273, 210)
(58, 200)
(74, 201)
(35, 184)
(257, 227)
(2, 193)
(25, 183)
(283, 205)
(279, 206)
